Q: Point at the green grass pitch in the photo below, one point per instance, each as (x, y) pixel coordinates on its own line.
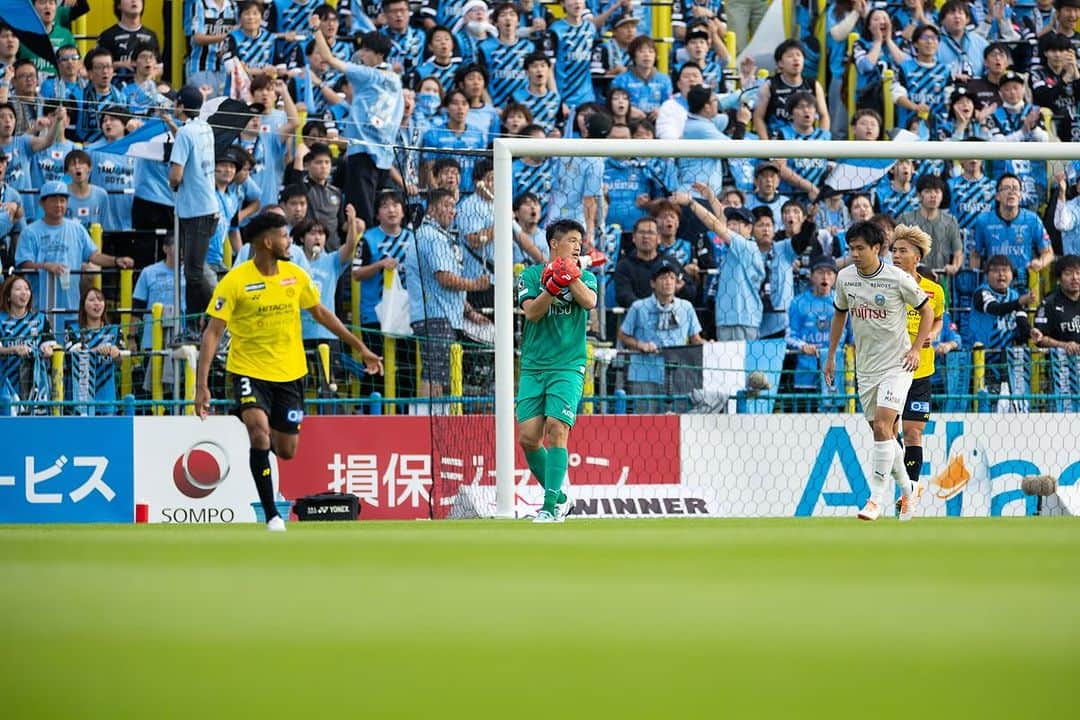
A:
(591, 619)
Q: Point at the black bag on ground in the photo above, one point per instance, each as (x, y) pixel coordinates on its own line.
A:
(327, 506)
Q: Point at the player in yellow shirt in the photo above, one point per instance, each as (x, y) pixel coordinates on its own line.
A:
(260, 302)
(910, 245)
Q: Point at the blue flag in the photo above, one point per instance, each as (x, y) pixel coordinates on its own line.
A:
(150, 142)
(20, 16)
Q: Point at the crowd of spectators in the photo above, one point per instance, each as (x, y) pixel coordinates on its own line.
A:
(391, 107)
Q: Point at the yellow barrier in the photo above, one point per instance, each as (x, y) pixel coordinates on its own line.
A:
(588, 389)
(390, 374)
(354, 309)
(849, 377)
(852, 80)
(179, 49)
(457, 377)
(95, 236)
(58, 380)
(126, 277)
(889, 107)
(324, 363)
(789, 18)
(157, 342)
(823, 48)
(978, 372)
(190, 361)
(662, 34)
(729, 43)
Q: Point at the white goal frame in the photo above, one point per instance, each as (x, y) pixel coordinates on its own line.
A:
(506, 149)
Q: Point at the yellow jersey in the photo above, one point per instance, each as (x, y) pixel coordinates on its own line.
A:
(936, 298)
(263, 315)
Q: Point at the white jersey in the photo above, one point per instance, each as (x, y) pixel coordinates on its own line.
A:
(877, 305)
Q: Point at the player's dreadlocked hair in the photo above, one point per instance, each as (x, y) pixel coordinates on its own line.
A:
(915, 236)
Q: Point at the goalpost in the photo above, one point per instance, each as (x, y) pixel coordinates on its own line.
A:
(506, 150)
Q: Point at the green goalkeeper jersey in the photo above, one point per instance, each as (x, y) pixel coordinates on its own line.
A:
(556, 341)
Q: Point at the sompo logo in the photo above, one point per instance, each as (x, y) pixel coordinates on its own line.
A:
(201, 469)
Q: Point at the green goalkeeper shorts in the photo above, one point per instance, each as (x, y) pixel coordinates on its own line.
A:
(549, 393)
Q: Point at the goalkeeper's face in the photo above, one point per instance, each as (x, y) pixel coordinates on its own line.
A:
(567, 246)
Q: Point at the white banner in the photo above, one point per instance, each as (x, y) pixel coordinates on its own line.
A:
(597, 501)
(194, 471)
(817, 465)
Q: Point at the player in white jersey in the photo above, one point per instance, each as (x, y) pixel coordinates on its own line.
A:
(876, 297)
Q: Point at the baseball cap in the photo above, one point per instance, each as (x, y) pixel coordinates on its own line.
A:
(767, 165)
(53, 187)
(738, 213)
(665, 266)
(190, 97)
(1011, 76)
(624, 17)
(822, 261)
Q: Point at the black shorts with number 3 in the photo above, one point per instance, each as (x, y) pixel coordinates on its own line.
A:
(917, 405)
(283, 402)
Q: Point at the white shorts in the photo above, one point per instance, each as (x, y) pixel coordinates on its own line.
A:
(887, 391)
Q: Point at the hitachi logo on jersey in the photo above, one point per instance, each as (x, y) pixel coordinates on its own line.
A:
(866, 312)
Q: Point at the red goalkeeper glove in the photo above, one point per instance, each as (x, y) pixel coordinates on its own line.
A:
(546, 275)
(565, 271)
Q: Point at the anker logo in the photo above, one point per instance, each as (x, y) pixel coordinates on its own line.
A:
(200, 470)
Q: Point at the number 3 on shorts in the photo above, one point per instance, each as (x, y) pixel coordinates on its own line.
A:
(245, 387)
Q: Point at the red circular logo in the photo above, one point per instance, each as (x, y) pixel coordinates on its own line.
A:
(200, 470)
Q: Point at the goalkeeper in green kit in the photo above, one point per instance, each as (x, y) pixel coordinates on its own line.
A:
(556, 300)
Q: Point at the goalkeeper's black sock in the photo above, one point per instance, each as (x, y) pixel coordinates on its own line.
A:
(913, 462)
(264, 483)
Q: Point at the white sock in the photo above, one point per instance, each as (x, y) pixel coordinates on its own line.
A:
(899, 472)
(881, 464)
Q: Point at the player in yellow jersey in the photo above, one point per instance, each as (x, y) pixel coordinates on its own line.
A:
(260, 302)
(910, 245)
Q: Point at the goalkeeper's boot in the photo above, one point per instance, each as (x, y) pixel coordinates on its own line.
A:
(544, 517)
(871, 511)
(909, 503)
(562, 508)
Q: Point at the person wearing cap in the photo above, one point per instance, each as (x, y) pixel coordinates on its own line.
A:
(612, 56)
(572, 38)
(1056, 85)
(947, 249)
(648, 88)
(227, 194)
(964, 122)
(58, 245)
(1017, 120)
(88, 203)
(85, 126)
(658, 321)
(502, 55)
(373, 122)
(471, 29)
(766, 186)
(260, 302)
(770, 110)
(191, 177)
(809, 317)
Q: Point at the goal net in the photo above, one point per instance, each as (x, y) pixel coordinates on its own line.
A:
(716, 404)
